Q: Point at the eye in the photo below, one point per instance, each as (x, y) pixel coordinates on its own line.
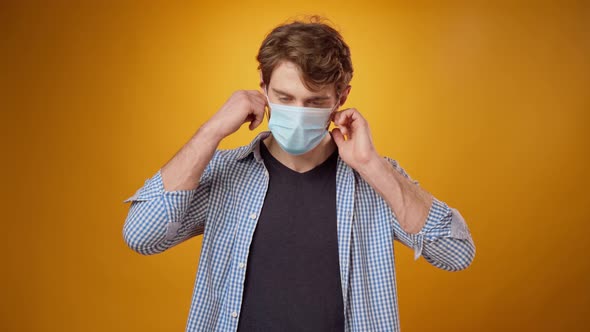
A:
(284, 99)
(318, 103)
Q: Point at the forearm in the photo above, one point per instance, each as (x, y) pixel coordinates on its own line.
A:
(171, 206)
(408, 201)
(444, 241)
(159, 219)
(184, 170)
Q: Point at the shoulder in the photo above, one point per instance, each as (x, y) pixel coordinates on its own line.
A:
(230, 155)
(243, 153)
(224, 163)
(225, 157)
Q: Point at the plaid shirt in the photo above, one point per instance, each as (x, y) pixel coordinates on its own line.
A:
(225, 208)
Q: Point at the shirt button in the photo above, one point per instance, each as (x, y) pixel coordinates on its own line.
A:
(234, 314)
(241, 265)
(253, 216)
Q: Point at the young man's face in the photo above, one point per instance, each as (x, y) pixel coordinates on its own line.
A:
(286, 88)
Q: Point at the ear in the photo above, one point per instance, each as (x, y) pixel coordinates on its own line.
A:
(344, 95)
(262, 85)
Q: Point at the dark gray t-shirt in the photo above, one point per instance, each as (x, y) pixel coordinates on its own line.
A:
(293, 276)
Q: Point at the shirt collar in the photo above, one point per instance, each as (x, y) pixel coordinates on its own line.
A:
(254, 147)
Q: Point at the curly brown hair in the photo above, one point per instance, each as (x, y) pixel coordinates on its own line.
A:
(315, 47)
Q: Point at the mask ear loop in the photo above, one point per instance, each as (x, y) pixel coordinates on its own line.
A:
(267, 108)
(332, 110)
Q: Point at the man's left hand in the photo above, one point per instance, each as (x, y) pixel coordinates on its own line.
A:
(353, 139)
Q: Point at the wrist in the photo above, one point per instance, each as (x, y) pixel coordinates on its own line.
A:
(372, 166)
(211, 133)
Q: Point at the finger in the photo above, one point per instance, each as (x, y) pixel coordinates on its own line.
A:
(254, 124)
(255, 94)
(341, 121)
(258, 117)
(262, 102)
(336, 117)
(257, 104)
(351, 121)
(344, 130)
(338, 137)
(340, 116)
(349, 116)
(258, 96)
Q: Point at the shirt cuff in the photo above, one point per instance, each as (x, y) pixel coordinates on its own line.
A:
(152, 188)
(175, 202)
(438, 225)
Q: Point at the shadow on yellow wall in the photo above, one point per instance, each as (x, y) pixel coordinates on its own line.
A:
(488, 107)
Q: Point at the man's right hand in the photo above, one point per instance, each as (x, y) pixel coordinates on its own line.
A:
(243, 106)
(184, 170)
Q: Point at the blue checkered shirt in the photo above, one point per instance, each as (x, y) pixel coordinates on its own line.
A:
(225, 208)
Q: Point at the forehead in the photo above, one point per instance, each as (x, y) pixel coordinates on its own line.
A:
(286, 77)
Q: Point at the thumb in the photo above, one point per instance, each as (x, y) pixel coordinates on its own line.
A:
(255, 123)
(256, 120)
(338, 137)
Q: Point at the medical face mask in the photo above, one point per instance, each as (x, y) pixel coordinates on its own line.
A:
(298, 129)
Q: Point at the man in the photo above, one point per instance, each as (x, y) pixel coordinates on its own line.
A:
(299, 224)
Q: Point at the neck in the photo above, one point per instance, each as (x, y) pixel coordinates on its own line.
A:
(304, 162)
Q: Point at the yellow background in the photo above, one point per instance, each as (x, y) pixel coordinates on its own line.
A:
(486, 105)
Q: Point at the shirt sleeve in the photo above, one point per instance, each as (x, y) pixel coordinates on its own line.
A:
(444, 241)
(159, 219)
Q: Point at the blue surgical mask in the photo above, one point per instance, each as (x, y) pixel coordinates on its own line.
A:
(298, 129)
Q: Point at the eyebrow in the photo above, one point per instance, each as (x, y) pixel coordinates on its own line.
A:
(315, 98)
